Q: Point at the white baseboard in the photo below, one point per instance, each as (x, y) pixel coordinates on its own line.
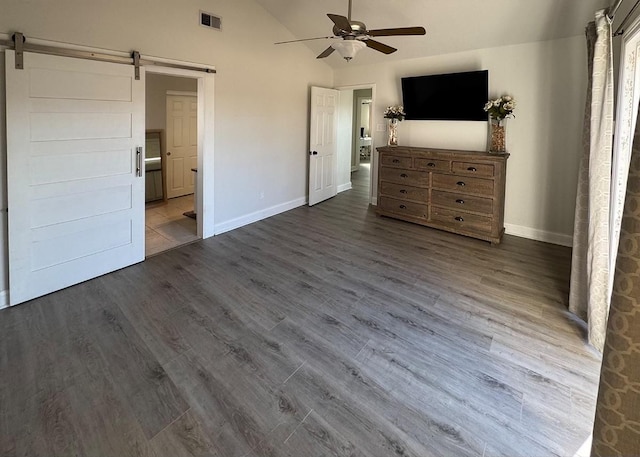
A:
(344, 187)
(258, 215)
(4, 299)
(539, 235)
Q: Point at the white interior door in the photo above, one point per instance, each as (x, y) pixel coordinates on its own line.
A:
(323, 166)
(76, 200)
(182, 144)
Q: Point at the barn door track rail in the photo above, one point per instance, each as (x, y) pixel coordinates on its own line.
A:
(19, 43)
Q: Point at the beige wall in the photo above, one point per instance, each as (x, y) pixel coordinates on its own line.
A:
(261, 90)
(548, 80)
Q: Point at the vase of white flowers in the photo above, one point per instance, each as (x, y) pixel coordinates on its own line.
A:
(395, 114)
(499, 111)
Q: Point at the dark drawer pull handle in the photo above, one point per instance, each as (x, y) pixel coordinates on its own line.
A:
(459, 219)
(460, 201)
(431, 164)
(403, 207)
(396, 161)
(404, 175)
(461, 183)
(402, 191)
(472, 169)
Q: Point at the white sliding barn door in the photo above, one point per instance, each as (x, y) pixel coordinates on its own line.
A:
(323, 147)
(76, 202)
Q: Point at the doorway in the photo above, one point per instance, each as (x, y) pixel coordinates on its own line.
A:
(203, 195)
(170, 163)
(356, 139)
(361, 149)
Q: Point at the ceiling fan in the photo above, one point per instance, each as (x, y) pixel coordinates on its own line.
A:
(355, 36)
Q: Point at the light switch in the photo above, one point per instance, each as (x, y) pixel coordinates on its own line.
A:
(381, 128)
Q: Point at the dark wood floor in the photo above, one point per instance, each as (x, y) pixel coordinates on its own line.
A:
(324, 331)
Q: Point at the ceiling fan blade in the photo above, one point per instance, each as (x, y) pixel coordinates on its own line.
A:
(341, 22)
(327, 52)
(373, 44)
(398, 31)
(305, 39)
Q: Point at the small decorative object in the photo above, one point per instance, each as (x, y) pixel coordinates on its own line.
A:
(395, 114)
(497, 136)
(499, 110)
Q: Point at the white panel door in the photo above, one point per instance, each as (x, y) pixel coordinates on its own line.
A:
(76, 202)
(182, 144)
(323, 166)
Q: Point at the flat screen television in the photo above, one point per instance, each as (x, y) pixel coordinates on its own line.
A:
(447, 97)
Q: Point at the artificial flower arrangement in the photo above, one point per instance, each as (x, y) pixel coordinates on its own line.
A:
(501, 108)
(395, 112)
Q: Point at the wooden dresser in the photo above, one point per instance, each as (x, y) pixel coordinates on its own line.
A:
(458, 191)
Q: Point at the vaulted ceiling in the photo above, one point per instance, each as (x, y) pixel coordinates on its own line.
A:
(452, 25)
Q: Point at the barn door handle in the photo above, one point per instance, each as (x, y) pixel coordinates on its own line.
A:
(139, 161)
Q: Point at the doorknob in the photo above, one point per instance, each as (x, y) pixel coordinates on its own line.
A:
(168, 153)
(315, 153)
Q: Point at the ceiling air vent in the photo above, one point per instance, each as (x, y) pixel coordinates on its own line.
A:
(210, 20)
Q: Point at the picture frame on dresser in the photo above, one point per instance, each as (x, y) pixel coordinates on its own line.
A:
(458, 191)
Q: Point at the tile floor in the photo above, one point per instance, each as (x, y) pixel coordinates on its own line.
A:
(166, 225)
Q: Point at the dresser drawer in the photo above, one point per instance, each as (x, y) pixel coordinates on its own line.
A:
(403, 207)
(483, 170)
(406, 177)
(458, 191)
(402, 192)
(462, 202)
(463, 184)
(460, 220)
(432, 164)
(396, 161)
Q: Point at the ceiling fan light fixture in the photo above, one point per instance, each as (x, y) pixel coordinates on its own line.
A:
(353, 36)
(348, 48)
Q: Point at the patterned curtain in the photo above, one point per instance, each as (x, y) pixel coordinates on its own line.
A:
(590, 292)
(616, 429)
